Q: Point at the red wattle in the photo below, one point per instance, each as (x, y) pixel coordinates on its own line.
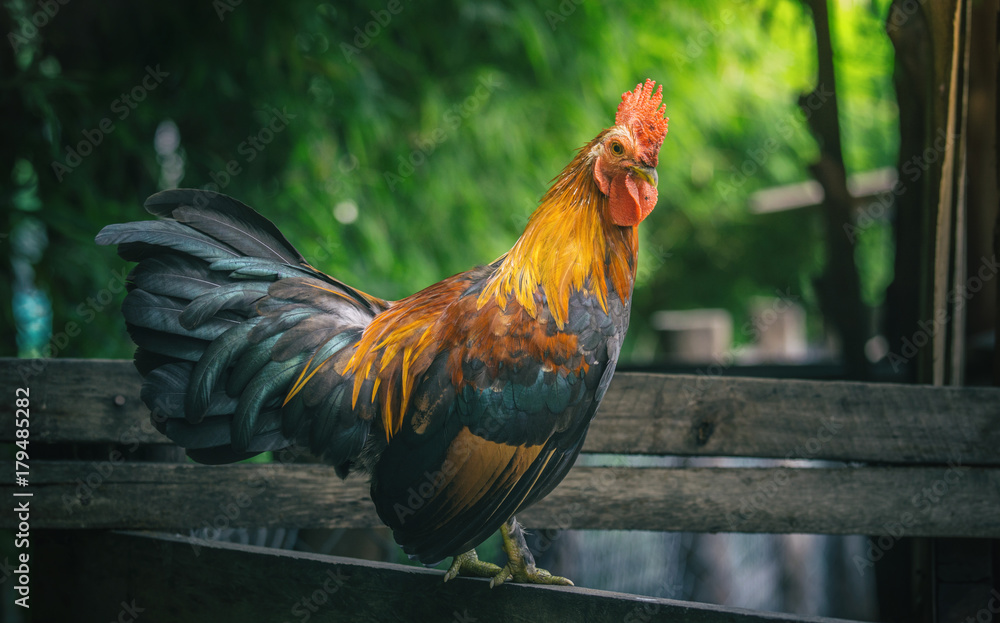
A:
(631, 200)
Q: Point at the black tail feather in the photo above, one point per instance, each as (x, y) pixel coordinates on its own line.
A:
(227, 220)
(227, 316)
(142, 239)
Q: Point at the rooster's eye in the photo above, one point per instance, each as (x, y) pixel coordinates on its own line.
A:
(616, 148)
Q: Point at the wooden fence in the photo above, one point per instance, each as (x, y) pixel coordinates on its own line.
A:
(911, 460)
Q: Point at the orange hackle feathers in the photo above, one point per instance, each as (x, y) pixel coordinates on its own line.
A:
(570, 244)
(642, 112)
(398, 346)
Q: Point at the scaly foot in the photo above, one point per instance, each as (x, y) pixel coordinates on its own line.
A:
(468, 564)
(520, 565)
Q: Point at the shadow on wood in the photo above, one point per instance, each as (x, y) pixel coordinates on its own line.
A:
(173, 578)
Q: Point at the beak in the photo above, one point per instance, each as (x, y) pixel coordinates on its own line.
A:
(646, 173)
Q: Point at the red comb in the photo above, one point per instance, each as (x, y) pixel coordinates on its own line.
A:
(642, 112)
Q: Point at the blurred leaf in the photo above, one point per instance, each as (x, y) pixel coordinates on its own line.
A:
(443, 126)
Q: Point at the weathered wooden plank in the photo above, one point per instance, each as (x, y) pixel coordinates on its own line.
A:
(98, 401)
(874, 422)
(911, 501)
(174, 578)
(77, 400)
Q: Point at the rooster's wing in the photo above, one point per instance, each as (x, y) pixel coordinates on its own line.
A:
(496, 420)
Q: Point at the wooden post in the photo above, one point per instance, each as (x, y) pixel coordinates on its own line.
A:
(924, 314)
(933, 236)
(838, 289)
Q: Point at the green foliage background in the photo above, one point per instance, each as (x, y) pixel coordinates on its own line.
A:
(360, 105)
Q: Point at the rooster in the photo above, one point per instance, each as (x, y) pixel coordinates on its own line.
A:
(465, 402)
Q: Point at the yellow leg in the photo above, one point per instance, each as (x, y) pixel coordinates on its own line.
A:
(468, 564)
(520, 563)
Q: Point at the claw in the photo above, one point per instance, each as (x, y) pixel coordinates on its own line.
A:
(468, 564)
(501, 577)
(520, 563)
